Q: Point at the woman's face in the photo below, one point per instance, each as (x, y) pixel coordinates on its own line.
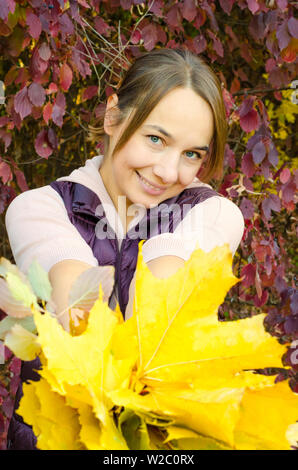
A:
(167, 150)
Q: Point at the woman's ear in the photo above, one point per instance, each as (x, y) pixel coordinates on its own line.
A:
(110, 114)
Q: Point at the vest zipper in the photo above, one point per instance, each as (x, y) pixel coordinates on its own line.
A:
(118, 267)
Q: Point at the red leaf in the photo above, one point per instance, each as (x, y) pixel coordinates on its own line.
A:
(84, 3)
(259, 152)
(89, 92)
(22, 104)
(156, 7)
(36, 94)
(8, 406)
(246, 106)
(228, 100)
(273, 154)
(52, 88)
(270, 65)
(207, 7)
(11, 5)
(268, 265)
(261, 300)
(283, 4)
(34, 25)
(189, 10)
(81, 65)
(60, 100)
(253, 6)
(136, 36)
(23, 76)
(293, 27)
(5, 172)
(44, 51)
(283, 35)
(247, 208)
(66, 25)
(226, 5)
(200, 44)
(265, 169)
(251, 121)
(101, 26)
(247, 165)
(149, 35)
(47, 112)
(38, 66)
(59, 109)
(4, 120)
(65, 77)
(285, 175)
(52, 138)
(263, 112)
(249, 271)
(21, 180)
(42, 145)
(6, 137)
(229, 157)
(217, 45)
(288, 191)
(4, 10)
(173, 17)
(271, 203)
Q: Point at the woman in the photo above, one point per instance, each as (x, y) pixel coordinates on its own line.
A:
(165, 127)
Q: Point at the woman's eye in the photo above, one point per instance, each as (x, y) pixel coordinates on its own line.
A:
(198, 155)
(154, 139)
(151, 137)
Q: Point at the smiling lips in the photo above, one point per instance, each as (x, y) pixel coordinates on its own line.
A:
(153, 186)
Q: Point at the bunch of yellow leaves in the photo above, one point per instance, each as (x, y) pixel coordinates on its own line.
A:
(170, 377)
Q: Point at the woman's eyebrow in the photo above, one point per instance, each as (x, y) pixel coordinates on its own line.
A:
(162, 131)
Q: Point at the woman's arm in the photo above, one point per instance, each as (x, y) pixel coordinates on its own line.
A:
(62, 275)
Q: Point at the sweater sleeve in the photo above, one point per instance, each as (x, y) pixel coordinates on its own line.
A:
(38, 227)
(211, 223)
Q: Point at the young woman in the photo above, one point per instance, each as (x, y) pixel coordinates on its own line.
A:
(164, 135)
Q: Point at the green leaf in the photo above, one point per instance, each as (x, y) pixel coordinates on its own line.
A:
(187, 439)
(134, 430)
(39, 281)
(8, 322)
(20, 291)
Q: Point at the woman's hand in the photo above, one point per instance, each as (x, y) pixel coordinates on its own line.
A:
(62, 275)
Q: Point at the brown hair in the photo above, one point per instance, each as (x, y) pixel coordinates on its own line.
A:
(154, 74)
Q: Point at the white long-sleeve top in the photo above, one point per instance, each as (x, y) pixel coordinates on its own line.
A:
(38, 225)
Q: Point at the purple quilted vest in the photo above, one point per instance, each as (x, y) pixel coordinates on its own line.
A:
(86, 213)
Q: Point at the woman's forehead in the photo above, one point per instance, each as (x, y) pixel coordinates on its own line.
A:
(182, 111)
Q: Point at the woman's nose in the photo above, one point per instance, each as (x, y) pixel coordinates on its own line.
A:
(167, 171)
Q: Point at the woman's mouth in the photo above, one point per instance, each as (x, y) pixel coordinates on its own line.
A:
(148, 187)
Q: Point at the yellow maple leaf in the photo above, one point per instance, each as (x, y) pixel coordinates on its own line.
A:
(172, 363)
(55, 424)
(192, 364)
(23, 343)
(82, 367)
